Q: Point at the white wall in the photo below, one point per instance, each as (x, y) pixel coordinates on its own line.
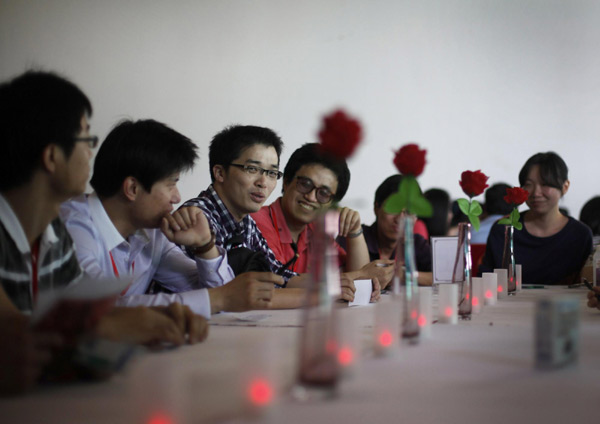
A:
(480, 84)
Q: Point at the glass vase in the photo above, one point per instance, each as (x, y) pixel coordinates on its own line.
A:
(406, 279)
(318, 371)
(461, 273)
(508, 260)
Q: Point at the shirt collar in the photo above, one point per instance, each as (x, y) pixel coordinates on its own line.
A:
(229, 223)
(106, 228)
(13, 226)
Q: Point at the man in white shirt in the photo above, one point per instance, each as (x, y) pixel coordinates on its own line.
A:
(126, 228)
(44, 161)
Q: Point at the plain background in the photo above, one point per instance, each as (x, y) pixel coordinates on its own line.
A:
(479, 84)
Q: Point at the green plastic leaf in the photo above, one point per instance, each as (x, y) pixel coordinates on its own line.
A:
(474, 221)
(514, 216)
(519, 225)
(463, 204)
(421, 207)
(475, 208)
(505, 221)
(394, 204)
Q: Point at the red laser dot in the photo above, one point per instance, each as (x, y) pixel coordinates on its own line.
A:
(160, 418)
(448, 311)
(260, 392)
(386, 339)
(475, 301)
(422, 321)
(467, 296)
(413, 314)
(345, 356)
(500, 289)
(488, 294)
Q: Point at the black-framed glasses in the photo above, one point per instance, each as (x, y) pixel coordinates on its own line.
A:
(305, 185)
(256, 170)
(91, 140)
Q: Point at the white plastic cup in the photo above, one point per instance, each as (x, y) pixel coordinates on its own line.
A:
(477, 300)
(448, 303)
(502, 282)
(490, 287)
(425, 311)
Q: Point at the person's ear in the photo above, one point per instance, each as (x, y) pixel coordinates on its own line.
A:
(376, 208)
(51, 154)
(131, 188)
(219, 173)
(565, 187)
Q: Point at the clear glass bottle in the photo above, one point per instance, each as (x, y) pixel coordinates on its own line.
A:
(462, 271)
(318, 371)
(508, 260)
(406, 279)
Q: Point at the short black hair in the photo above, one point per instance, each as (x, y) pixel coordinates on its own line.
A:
(310, 154)
(229, 144)
(494, 200)
(590, 215)
(553, 170)
(37, 108)
(437, 224)
(388, 187)
(147, 150)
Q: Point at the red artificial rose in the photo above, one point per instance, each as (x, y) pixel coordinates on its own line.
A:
(473, 183)
(339, 135)
(410, 160)
(516, 195)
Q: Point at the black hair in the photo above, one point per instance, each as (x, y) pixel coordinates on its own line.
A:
(37, 108)
(437, 224)
(590, 215)
(388, 187)
(494, 200)
(553, 170)
(229, 144)
(310, 154)
(147, 150)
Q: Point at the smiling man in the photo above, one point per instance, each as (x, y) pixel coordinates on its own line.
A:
(311, 183)
(126, 228)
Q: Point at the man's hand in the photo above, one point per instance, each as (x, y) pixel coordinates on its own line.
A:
(195, 326)
(349, 222)
(376, 294)
(250, 290)
(187, 226)
(141, 325)
(24, 352)
(380, 269)
(592, 299)
(348, 288)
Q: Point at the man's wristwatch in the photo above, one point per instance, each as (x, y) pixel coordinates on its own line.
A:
(199, 250)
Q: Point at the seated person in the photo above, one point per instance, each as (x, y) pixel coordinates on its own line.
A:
(244, 165)
(311, 183)
(590, 216)
(551, 247)
(382, 235)
(47, 148)
(116, 228)
(439, 223)
(494, 208)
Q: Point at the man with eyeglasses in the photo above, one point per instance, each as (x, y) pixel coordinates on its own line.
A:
(244, 163)
(45, 161)
(311, 183)
(126, 227)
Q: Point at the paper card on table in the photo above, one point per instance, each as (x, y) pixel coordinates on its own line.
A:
(362, 296)
(443, 255)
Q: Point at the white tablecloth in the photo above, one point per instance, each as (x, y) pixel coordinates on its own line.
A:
(476, 371)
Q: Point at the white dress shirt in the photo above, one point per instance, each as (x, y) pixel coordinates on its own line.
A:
(146, 255)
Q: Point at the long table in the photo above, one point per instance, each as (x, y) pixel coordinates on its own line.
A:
(480, 370)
